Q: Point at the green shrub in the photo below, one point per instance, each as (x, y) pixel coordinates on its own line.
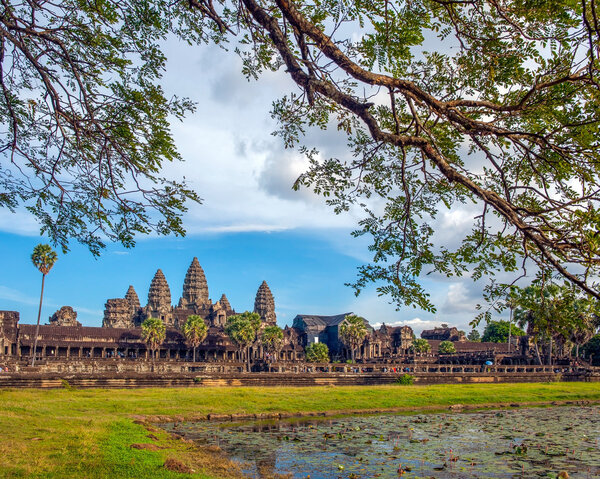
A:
(446, 347)
(405, 380)
(317, 353)
(420, 345)
(65, 384)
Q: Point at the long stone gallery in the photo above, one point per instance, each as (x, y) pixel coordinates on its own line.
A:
(64, 345)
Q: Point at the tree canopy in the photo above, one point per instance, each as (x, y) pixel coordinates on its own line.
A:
(497, 332)
(556, 315)
(154, 333)
(420, 345)
(194, 330)
(271, 338)
(242, 330)
(474, 335)
(85, 123)
(317, 353)
(43, 258)
(353, 331)
(446, 347)
(443, 105)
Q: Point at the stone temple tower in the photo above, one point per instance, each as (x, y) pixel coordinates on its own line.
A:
(264, 304)
(133, 299)
(195, 287)
(159, 300)
(225, 302)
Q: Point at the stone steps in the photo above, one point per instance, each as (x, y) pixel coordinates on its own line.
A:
(54, 380)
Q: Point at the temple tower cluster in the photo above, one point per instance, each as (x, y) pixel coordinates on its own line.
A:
(128, 313)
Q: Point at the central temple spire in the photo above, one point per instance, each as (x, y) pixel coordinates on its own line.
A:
(195, 287)
(264, 304)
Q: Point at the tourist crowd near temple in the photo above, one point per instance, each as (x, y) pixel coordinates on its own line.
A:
(120, 336)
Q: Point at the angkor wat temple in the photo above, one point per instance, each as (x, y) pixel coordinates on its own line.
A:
(120, 334)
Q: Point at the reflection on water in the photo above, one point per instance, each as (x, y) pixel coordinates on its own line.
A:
(523, 443)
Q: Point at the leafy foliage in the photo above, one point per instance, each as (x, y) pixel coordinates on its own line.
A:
(154, 333)
(271, 338)
(317, 353)
(194, 330)
(557, 316)
(474, 335)
(591, 350)
(353, 331)
(446, 347)
(497, 331)
(420, 345)
(485, 107)
(405, 380)
(242, 330)
(85, 122)
(43, 258)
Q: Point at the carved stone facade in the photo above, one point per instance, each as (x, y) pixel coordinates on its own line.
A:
(65, 316)
(444, 334)
(264, 304)
(127, 312)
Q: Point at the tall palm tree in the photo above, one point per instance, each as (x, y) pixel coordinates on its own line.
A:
(353, 331)
(154, 333)
(43, 258)
(271, 339)
(195, 331)
(242, 330)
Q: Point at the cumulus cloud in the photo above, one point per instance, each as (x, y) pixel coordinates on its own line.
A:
(461, 298)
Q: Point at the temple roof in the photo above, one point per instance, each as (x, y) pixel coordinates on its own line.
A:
(312, 320)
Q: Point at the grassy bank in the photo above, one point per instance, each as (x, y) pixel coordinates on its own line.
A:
(89, 433)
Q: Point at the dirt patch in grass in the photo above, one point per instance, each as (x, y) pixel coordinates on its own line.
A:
(147, 447)
(174, 465)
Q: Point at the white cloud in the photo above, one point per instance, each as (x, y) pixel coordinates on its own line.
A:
(461, 299)
(9, 294)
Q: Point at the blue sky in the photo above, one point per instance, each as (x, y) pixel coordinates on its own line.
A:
(250, 227)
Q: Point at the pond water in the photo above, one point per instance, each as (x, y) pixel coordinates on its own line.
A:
(519, 443)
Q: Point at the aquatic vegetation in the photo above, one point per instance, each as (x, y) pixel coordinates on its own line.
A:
(525, 442)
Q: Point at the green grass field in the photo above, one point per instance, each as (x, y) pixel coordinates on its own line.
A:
(88, 433)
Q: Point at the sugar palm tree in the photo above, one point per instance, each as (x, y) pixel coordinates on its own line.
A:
(154, 333)
(271, 339)
(43, 258)
(242, 330)
(195, 331)
(353, 331)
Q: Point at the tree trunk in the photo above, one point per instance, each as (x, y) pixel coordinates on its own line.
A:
(550, 353)
(37, 327)
(537, 352)
(510, 327)
(194, 354)
(248, 359)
